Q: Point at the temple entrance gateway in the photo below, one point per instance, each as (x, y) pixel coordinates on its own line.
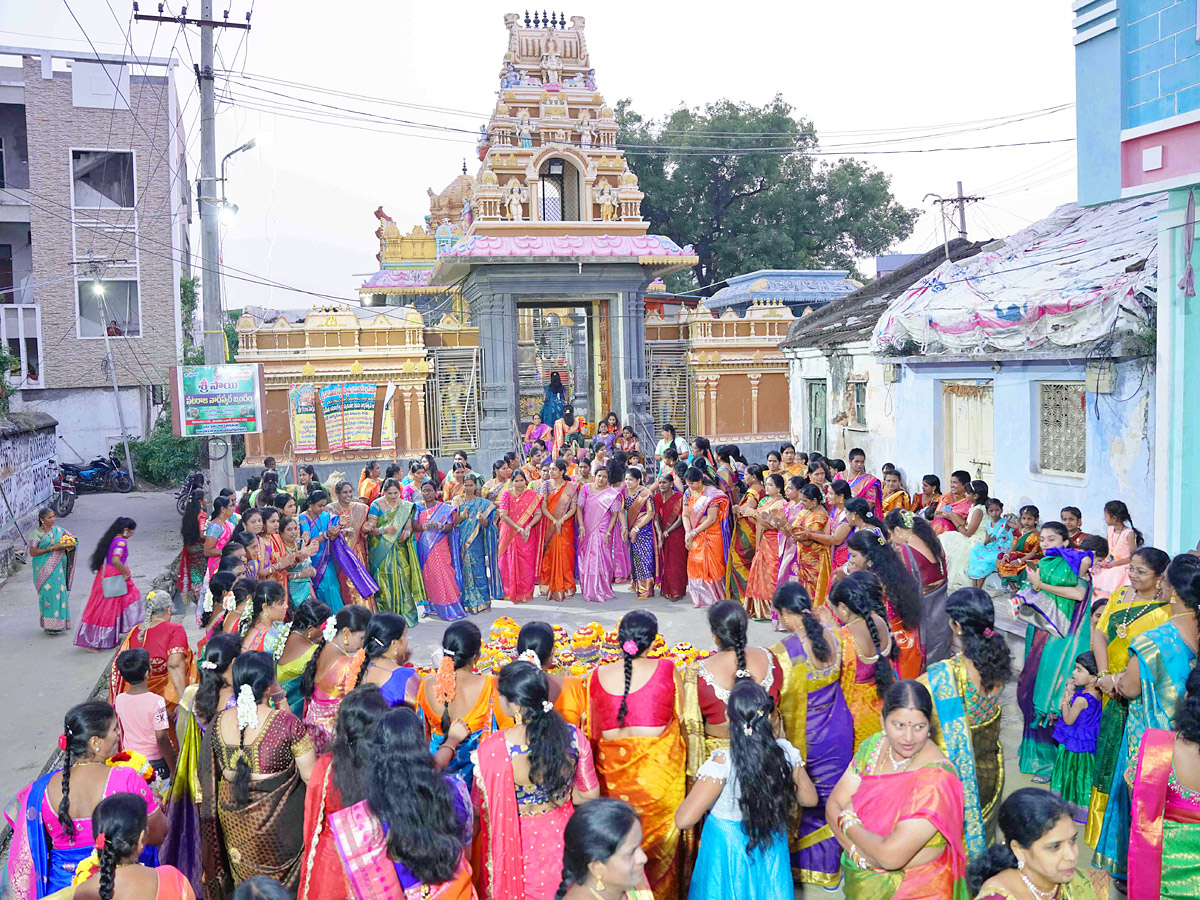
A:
(567, 339)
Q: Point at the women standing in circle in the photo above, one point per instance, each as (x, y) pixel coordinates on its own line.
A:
(393, 558)
(744, 527)
(253, 825)
(519, 549)
(965, 532)
(386, 646)
(119, 823)
(458, 703)
(52, 829)
(636, 519)
(640, 753)
(526, 784)
(816, 721)
(595, 519)
(812, 554)
(1038, 857)
(172, 664)
(299, 576)
(1160, 662)
(279, 560)
(751, 791)
(558, 512)
(338, 780)
(602, 851)
(867, 650)
(438, 552)
(839, 528)
(966, 709)
(702, 535)
(475, 526)
(901, 596)
(293, 650)
(115, 604)
(770, 523)
(535, 643)
(332, 671)
(193, 564)
(52, 549)
(668, 527)
(922, 553)
(898, 810)
(1132, 610)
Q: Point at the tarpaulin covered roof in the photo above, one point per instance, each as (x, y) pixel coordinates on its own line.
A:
(1066, 280)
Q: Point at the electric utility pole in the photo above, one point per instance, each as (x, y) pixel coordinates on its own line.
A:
(961, 202)
(208, 198)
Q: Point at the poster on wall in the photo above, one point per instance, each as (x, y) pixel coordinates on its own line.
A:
(302, 406)
(387, 430)
(209, 400)
(349, 412)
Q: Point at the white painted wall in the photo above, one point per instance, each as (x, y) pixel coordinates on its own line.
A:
(87, 418)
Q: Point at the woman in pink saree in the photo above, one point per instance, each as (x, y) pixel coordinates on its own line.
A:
(956, 502)
(520, 538)
(438, 551)
(595, 519)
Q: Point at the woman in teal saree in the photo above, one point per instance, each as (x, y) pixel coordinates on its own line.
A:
(52, 549)
(476, 521)
(393, 557)
(1154, 687)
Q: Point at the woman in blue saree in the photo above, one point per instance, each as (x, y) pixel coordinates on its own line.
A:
(319, 525)
(1154, 687)
(475, 524)
(438, 550)
(393, 559)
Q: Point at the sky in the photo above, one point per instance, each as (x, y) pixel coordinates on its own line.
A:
(861, 72)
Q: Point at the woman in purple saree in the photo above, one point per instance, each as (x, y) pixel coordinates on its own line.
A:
(438, 550)
(595, 521)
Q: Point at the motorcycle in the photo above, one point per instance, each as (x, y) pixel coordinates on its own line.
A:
(63, 500)
(101, 474)
(193, 482)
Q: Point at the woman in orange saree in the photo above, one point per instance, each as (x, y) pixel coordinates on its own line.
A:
(812, 557)
(744, 528)
(898, 810)
(706, 509)
(640, 753)
(867, 649)
(765, 568)
(902, 596)
(894, 495)
(519, 549)
(558, 513)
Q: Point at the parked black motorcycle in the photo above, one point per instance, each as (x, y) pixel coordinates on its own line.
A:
(191, 483)
(63, 500)
(101, 474)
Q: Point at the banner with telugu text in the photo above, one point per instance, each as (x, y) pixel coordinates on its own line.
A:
(302, 404)
(349, 411)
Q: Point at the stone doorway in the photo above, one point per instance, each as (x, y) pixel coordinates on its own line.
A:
(569, 338)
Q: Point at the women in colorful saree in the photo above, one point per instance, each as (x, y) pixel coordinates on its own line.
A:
(523, 816)
(1132, 610)
(1155, 687)
(706, 510)
(370, 483)
(217, 532)
(332, 671)
(475, 526)
(744, 535)
(622, 560)
(1164, 845)
(350, 548)
(668, 526)
(966, 710)
(898, 810)
(817, 722)
(867, 649)
(293, 650)
(393, 559)
(812, 556)
(568, 428)
(636, 519)
(558, 512)
(519, 547)
(640, 754)
(456, 695)
(894, 495)
(537, 431)
(595, 519)
(438, 551)
(253, 826)
(863, 483)
(52, 549)
(955, 501)
(193, 564)
(1026, 549)
(770, 538)
(111, 611)
(318, 524)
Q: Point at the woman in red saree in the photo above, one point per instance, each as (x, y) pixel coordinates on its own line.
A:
(765, 567)
(520, 548)
(898, 810)
(558, 513)
(338, 780)
(706, 510)
(668, 538)
(528, 780)
(812, 556)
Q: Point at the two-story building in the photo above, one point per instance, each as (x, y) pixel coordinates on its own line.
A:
(94, 212)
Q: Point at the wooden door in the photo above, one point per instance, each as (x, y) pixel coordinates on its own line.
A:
(818, 415)
(968, 423)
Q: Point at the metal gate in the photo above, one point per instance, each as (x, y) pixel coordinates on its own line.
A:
(670, 385)
(453, 413)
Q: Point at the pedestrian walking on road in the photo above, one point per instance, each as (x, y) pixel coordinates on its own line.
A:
(115, 604)
(52, 550)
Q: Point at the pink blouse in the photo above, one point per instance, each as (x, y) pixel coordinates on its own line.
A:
(121, 780)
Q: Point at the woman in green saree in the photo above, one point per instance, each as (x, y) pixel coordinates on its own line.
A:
(52, 550)
(393, 558)
(476, 520)
(1154, 687)
(1056, 609)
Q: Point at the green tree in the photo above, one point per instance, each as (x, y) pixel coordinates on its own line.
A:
(193, 350)
(740, 184)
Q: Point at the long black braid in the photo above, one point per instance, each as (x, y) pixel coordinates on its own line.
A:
(793, 597)
(640, 627)
(117, 822)
(82, 723)
(861, 593)
(728, 622)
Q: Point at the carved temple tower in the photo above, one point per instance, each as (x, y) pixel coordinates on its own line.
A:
(556, 259)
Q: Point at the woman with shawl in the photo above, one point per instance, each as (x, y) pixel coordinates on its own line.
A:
(595, 518)
(669, 540)
(438, 551)
(706, 509)
(558, 514)
(318, 524)
(52, 549)
(350, 548)
(393, 558)
(519, 547)
(538, 430)
(478, 540)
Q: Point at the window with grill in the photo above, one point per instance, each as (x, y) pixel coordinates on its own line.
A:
(859, 399)
(1062, 427)
(103, 179)
(559, 195)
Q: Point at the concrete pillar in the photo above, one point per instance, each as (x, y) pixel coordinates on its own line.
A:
(496, 314)
(630, 327)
